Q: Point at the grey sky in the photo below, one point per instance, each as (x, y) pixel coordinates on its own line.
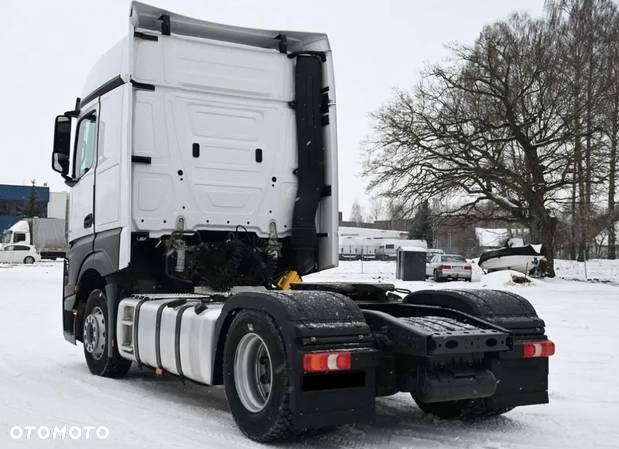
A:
(47, 48)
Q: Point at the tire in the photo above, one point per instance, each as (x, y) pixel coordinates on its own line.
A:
(96, 339)
(260, 405)
(29, 260)
(464, 409)
(436, 278)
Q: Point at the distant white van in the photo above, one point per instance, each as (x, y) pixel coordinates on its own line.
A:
(387, 249)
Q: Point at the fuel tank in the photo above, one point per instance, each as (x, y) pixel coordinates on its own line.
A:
(170, 331)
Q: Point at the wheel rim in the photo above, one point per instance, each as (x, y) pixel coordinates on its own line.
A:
(253, 372)
(94, 333)
(29, 260)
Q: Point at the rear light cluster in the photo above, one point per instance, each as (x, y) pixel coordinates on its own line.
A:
(534, 349)
(321, 362)
(448, 267)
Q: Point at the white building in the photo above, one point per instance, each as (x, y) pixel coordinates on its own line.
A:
(371, 233)
(57, 205)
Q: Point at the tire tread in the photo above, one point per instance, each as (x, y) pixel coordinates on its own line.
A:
(283, 427)
(115, 366)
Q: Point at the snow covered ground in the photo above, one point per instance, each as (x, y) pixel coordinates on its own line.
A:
(44, 381)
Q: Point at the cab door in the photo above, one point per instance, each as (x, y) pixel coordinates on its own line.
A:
(82, 220)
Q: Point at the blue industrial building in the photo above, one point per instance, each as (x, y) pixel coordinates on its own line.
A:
(14, 202)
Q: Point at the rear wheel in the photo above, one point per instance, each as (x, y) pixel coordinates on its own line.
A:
(256, 377)
(436, 277)
(29, 260)
(96, 339)
(465, 409)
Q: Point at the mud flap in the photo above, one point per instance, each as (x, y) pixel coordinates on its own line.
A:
(519, 381)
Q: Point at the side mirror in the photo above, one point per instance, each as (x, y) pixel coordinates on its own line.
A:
(62, 145)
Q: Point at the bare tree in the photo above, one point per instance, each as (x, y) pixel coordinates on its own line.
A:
(611, 128)
(377, 209)
(585, 27)
(356, 214)
(490, 127)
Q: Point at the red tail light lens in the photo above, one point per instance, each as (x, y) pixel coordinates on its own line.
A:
(320, 362)
(467, 267)
(536, 349)
(445, 267)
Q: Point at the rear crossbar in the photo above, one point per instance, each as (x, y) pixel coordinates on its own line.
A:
(427, 330)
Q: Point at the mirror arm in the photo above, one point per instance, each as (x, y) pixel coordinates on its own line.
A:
(69, 181)
(76, 111)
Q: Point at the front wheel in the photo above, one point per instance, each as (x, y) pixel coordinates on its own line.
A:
(29, 260)
(464, 409)
(96, 339)
(256, 377)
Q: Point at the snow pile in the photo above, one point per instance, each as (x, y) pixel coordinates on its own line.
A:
(476, 271)
(506, 278)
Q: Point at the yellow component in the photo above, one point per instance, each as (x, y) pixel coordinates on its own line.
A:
(158, 372)
(290, 277)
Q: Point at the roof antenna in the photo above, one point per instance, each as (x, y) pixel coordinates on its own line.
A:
(283, 43)
(165, 24)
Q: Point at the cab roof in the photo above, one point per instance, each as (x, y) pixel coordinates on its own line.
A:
(151, 17)
(116, 61)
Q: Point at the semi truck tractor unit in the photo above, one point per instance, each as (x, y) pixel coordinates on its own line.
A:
(202, 162)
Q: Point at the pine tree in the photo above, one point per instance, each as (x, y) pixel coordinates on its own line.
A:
(356, 214)
(421, 228)
(31, 206)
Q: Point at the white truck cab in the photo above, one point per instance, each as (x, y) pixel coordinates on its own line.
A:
(17, 233)
(195, 130)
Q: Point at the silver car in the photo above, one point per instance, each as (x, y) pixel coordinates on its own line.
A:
(448, 266)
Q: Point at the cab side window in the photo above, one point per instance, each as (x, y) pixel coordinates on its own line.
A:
(18, 237)
(85, 145)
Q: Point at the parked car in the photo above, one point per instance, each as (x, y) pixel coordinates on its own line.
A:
(431, 253)
(19, 254)
(448, 266)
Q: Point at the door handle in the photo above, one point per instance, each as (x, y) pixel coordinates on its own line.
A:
(88, 221)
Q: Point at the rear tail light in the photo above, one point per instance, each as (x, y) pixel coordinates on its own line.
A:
(536, 349)
(320, 362)
(445, 267)
(467, 267)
